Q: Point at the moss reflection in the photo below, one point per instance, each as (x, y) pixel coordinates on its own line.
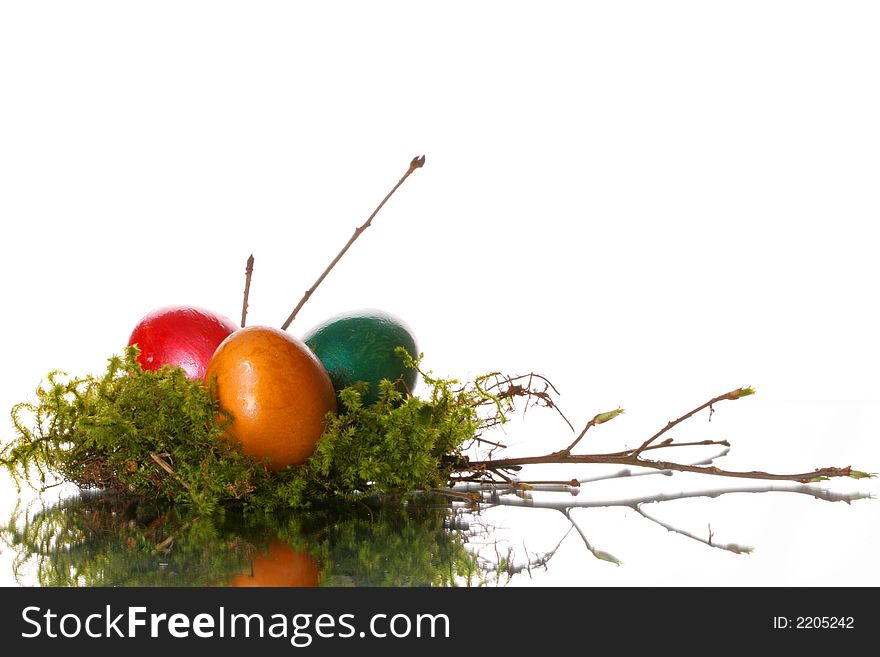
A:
(106, 540)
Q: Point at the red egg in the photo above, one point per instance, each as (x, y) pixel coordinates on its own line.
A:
(181, 336)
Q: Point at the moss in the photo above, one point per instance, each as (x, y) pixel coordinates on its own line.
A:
(154, 435)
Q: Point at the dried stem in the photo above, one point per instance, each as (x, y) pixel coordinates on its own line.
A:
(248, 272)
(505, 388)
(583, 433)
(631, 459)
(478, 481)
(597, 419)
(668, 444)
(480, 439)
(162, 463)
(416, 163)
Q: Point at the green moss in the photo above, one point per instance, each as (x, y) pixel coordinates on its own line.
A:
(154, 435)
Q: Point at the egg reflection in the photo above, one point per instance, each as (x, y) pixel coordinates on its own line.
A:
(279, 565)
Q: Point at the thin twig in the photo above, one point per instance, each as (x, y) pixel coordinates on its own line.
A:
(631, 459)
(733, 394)
(417, 163)
(489, 442)
(601, 418)
(572, 483)
(248, 272)
(162, 463)
(665, 445)
(583, 433)
(474, 483)
(507, 387)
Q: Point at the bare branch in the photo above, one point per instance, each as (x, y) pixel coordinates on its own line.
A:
(733, 394)
(631, 459)
(601, 418)
(417, 163)
(248, 272)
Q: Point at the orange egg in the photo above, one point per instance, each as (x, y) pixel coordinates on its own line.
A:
(276, 391)
(280, 566)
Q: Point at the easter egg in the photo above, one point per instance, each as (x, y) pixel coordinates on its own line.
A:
(275, 390)
(280, 565)
(360, 346)
(180, 336)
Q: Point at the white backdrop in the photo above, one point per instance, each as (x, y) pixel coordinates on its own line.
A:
(650, 203)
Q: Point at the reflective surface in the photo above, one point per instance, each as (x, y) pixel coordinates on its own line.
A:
(546, 536)
(105, 540)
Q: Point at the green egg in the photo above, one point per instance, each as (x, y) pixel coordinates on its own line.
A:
(360, 346)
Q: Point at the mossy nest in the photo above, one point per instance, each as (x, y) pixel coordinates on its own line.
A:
(154, 434)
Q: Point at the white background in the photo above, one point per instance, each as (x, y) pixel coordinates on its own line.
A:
(651, 203)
